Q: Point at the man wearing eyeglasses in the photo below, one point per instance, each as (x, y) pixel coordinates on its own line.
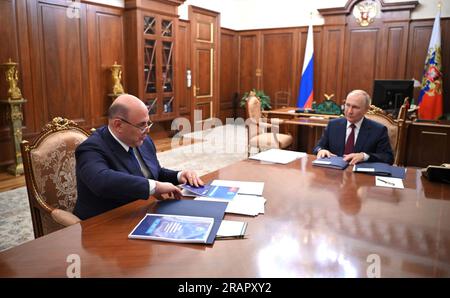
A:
(117, 164)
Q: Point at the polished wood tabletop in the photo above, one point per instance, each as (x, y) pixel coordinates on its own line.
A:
(318, 222)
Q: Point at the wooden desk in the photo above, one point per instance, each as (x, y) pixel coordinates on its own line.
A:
(318, 222)
(305, 128)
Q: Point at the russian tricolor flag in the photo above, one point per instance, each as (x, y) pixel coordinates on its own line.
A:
(305, 95)
(430, 98)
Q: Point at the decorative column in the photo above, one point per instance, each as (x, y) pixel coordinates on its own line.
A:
(14, 102)
(116, 75)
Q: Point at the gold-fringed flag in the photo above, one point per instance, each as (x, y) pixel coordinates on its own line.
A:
(430, 98)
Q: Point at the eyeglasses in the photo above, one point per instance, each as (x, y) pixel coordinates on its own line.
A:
(141, 128)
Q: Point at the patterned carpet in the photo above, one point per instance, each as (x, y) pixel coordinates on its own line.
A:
(221, 146)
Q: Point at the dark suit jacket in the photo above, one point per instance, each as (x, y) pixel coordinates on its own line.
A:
(107, 176)
(372, 139)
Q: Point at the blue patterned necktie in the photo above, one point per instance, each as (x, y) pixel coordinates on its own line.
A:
(133, 158)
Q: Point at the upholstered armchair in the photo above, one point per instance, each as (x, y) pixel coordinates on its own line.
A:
(262, 134)
(49, 167)
(396, 130)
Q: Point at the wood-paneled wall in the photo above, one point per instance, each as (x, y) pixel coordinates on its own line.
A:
(346, 56)
(64, 62)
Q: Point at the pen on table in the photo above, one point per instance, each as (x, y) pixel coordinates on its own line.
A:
(387, 182)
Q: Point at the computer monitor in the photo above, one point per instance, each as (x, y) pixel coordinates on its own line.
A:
(389, 95)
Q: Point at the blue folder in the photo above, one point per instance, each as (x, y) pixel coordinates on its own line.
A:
(334, 162)
(380, 169)
(215, 210)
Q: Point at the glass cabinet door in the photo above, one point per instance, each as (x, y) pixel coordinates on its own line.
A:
(158, 85)
(150, 66)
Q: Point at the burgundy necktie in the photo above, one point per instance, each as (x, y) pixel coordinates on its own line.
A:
(350, 145)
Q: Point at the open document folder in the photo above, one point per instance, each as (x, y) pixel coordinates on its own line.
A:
(278, 156)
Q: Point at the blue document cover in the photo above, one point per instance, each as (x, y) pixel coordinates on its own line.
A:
(213, 191)
(334, 162)
(173, 228)
(380, 169)
(212, 209)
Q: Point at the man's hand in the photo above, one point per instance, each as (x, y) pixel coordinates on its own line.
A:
(168, 190)
(191, 178)
(354, 158)
(324, 153)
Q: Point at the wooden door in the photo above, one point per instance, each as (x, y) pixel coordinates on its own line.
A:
(205, 75)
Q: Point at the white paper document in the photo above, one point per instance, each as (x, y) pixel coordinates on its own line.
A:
(245, 187)
(231, 229)
(389, 182)
(278, 156)
(246, 205)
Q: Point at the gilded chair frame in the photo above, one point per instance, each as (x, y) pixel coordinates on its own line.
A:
(375, 113)
(38, 203)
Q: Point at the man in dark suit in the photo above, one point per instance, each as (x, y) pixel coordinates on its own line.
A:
(117, 164)
(355, 137)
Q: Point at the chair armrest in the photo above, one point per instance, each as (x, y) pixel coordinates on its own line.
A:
(64, 218)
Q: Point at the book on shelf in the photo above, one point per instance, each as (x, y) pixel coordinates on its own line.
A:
(173, 228)
(213, 191)
(380, 169)
(334, 162)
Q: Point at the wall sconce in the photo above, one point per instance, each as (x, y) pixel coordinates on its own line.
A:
(365, 12)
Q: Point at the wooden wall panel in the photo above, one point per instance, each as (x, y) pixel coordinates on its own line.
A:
(248, 62)
(105, 33)
(395, 42)
(361, 59)
(278, 66)
(332, 60)
(62, 50)
(183, 93)
(228, 96)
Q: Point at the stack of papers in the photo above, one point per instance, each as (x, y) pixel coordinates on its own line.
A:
(231, 229)
(247, 201)
(244, 187)
(278, 156)
(246, 205)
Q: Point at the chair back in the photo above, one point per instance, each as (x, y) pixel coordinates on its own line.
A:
(253, 107)
(49, 168)
(396, 130)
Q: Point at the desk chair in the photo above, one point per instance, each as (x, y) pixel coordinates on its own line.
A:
(396, 130)
(49, 168)
(258, 128)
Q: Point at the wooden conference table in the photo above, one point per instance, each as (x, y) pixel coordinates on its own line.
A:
(318, 222)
